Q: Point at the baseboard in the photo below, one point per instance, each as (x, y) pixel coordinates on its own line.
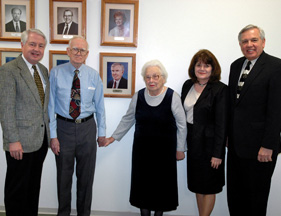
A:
(52, 211)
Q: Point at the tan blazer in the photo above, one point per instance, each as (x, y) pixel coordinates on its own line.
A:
(21, 114)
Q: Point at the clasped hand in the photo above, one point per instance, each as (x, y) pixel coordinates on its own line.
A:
(103, 141)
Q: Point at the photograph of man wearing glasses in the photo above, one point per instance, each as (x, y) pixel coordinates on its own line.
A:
(68, 27)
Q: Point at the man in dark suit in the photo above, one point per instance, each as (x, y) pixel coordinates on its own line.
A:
(24, 93)
(255, 123)
(16, 25)
(68, 27)
(118, 81)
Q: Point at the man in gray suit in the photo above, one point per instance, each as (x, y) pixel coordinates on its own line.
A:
(24, 93)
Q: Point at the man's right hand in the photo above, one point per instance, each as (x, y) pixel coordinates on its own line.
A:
(55, 146)
(16, 150)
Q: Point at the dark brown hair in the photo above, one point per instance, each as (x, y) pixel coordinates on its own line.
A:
(208, 58)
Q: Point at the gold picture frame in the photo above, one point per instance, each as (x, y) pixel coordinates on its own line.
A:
(67, 11)
(8, 54)
(119, 22)
(128, 63)
(21, 11)
(57, 57)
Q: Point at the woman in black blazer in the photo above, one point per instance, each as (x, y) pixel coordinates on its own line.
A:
(204, 99)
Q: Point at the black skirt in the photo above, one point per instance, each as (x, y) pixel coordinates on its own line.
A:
(201, 177)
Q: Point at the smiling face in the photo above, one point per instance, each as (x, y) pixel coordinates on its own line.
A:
(33, 49)
(77, 58)
(251, 44)
(68, 16)
(117, 72)
(154, 80)
(203, 72)
(16, 13)
(118, 20)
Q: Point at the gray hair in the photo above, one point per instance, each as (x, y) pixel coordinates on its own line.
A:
(25, 35)
(116, 64)
(249, 27)
(75, 37)
(155, 63)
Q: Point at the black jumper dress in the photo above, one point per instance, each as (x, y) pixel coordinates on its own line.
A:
(154, 166)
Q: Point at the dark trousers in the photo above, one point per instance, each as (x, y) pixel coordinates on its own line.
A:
(248, 185)
(77, 143)
(23, 180)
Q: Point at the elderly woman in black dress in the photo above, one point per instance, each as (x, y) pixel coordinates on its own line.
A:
(204, 99)
(159, 141)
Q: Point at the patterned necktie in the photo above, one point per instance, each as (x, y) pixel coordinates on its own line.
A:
(39, 84)
(66, 29)
(17, 27)
(74, 108)
(243, 78)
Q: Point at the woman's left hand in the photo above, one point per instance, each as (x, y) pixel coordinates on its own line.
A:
(180, 155)
(215, 162)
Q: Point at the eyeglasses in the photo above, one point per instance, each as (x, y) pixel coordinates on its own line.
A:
(67, 15)
(154, 77)
(75, 51)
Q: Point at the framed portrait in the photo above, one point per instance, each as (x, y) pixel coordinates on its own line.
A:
(8, 54)
(119, 22)
(16, 17)
(67, 19)
(57, 57)
(117, 71)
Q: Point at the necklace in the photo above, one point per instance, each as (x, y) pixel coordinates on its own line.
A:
(158, 94)
(202, 84)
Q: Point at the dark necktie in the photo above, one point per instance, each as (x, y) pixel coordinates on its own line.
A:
(114, 86)
(66, 30)
(243, 78)
(39, 84)
(17, 27)
(74, 108)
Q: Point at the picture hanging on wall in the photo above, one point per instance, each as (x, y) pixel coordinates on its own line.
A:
(67, 19)
(8, 54)
(57, 57)
(117, 71)
(119, 22)
(16, 17)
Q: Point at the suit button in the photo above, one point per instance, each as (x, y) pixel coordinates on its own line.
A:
(42, 125)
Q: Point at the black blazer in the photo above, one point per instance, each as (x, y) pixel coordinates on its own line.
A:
(11, 28)
(123, 84)
(72, 31)
(209, 120)
(255, 118)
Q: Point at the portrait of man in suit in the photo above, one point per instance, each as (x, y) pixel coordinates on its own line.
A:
(118, 81)
(15, 25)
(68, 27)
(254, 129)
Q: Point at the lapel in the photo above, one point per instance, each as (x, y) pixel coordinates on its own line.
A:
(204, 94)
(255, 71)
(27, 77)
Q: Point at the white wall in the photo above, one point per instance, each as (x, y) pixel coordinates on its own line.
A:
(171, 31)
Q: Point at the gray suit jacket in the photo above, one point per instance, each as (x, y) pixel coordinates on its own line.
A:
(22, 117)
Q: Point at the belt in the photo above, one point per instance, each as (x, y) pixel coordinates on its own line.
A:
(77, 121)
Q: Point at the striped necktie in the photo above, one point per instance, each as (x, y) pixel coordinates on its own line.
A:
(243, 78)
